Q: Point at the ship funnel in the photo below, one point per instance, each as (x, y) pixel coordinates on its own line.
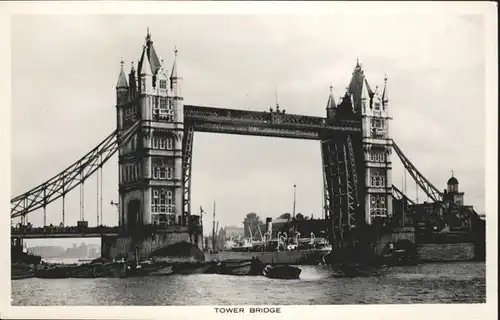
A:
(269, 225)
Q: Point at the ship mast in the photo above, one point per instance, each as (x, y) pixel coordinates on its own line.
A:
(213, 231)
(217, 236)
(294, 199)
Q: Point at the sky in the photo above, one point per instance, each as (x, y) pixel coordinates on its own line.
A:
(64, 71)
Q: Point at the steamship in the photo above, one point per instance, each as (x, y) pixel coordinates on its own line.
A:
(280, 249)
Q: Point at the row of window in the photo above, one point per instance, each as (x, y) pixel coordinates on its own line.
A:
(377, 201)
(378, 123)
(164, 105)
(164, 219)
(378, 212)
(378, 205)
(163, 193)
(377, 178)
(377, 181)
(131, 172)
(378, 134)
(163, 172)
(162, 201)
(163, 109)
(376, 105)
(159, 143)
(377, 156)
(162, 143)
(163, 84)
(162, 208)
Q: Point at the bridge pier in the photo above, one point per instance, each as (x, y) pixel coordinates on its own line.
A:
(144, 244)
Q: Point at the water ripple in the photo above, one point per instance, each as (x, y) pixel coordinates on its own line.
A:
(428, 283)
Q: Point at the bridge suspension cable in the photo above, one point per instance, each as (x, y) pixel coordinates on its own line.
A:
(400, 195)
(74, 175)
(97, 190)
(429, 189)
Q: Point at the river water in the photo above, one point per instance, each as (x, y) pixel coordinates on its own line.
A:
(426, 283)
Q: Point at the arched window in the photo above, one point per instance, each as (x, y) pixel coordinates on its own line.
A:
(163, 173)
(156, 172)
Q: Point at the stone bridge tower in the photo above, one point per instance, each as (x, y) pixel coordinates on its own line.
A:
(357, 167)
(150, 163)
(377, 144)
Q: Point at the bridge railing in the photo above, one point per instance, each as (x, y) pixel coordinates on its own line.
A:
(258, 117)
(100, 230)
(47, 230)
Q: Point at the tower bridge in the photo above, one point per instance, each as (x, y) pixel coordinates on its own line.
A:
(154, 141)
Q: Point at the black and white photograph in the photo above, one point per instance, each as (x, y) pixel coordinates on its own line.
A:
(252, 160)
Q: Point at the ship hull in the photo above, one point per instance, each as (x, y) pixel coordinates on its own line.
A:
(302, 257)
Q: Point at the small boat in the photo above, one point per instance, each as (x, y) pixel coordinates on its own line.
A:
(281, 272)
(85, 274)
(250, 267)
(22, 272)
(53, 272)
(192, 267)
(105, 270)
(19, 254)
(213, 269)
(164, 271)
(146, 269)
(234, 268)
(26, 275)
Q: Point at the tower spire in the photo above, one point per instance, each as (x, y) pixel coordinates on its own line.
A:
(122, 79)
(174, 78)
(365, 92)
(276, 98)
(331, 106)
(358, 65)
(385, 94)
(331, 100)
(146, 66)
(132, 81)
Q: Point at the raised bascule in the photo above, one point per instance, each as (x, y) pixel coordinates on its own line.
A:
(154, 141)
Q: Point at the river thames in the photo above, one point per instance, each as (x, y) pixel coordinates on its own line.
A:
(426, 283)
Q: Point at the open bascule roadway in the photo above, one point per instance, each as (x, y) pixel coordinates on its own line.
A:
(154, 141)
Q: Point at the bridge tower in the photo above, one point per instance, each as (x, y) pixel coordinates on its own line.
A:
(150, 163)
(377, 145)
(357, 167)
